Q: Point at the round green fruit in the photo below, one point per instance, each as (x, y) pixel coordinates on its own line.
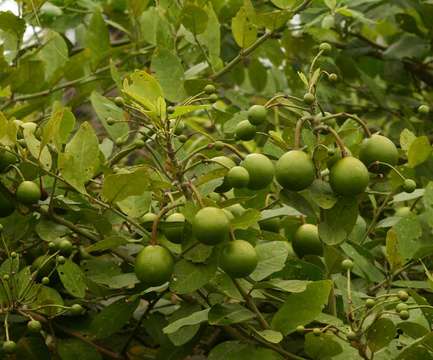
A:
(61, 259)
(403, 295)
(238, 258)
(409, 185)
(335, 156)
(147, 220)
(309, 98)
(369, 303)
(28, 193)
(401, 307)
(306, 241)
(325, 47)
(403, 211)
(45, 280)
(7, 207)
(154, 265)
(257, 114)
(271, 225)
(210, 225)
(423, 109)
(238, 177)
(174, 226)
(295, 170)
(378, 148)
(9, 346)
(209, 89)
(317, 331)
(65, 247)
(6, 159)
(333, 77)
(300, 329)
(349, 177)
(404, 314)
(347, 264)
(34, 326)
(245, 131)
(261, 171)
(76, 309)
(352, 336)
(218, 145)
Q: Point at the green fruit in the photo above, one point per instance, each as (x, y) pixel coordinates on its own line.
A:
(245, 131)
(325, 47)
(300, 329)
(154, 265)
(61, 259)
(378, 148)
(7, 207)
(65, 247)
(209, 89)
(309, 98)
(218, 145)
(369, 303)
(261, 171)
(174, 226)
(403, 211)
(349, 177)
(347, 264)
(409, 185)
(272, 224)
(182, 138)
(178, 126)
(43, 265)
(236, 209)
(28, 193)
(6, 159)
(423, 109)
(404, 315)
(403, 295)
(170, 109)
(333, 77)
(352, 336)
(335, 156)
(401, 307)
(147, 220)
(76, 309)
(238, 177)
(9, 346)
(34, 326)
(227, 163)
(317, 331)
(45, 280)
(238, 258)
(213, 97)
(119, 101)
(210, 226)
(306, 241)
(295, 170)
(257, 114)
(14, 255)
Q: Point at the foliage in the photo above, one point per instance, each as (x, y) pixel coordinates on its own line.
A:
(203, 137)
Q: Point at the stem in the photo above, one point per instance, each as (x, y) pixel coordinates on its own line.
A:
(338, 140)
(153, 238)
(298, 130)
(349, 296)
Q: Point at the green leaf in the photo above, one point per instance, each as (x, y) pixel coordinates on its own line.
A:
(42, 155)
(284, 4)
(193, 319)
(54, 54)
(73, 349)
(392, 252)
(271, 336)
(419, 151)
(407, 137)
(235, 350)
(322, 347)
(46, 298)
(322, 194)
(105, 109)
(137, 205)
(271, 258)
(110, 242)
(8, 131)
(118, 187)
(408, 231)
(407, 45)
(194, 18)
(246, 219)
(170, 73)
(58, 127)
(79, 162)
(97, 38)
(188, 277)
(338, 221)
(243, 28)
(308, 305)
(185, 333)
(112, 318)
(33, 348)
(227, 314)
(73, 278)
(380, 334)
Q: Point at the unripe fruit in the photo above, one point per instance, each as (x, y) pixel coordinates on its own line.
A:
(119, 101)
(423, 109)
(6, 277)
(182, 138)
(147, 220)
(325, 47)
(174, 231)
(170, 109)
(369, 303)
(347, 264)
(227, 163)
(45, 280)
(61, 259)
(213, 97)
(154, 265)
(295, 170)
(272, 225)
(409, 185)
(403, 295)
(34, 326)
(352, 336)
(403, 211)
(238, 177)
(401, 307)
(306, 241)
(6, 159)
(261, 170)
(238, 258)
(138, 143)
(300, 329)
(333, 77)
(349, 177)
(404, 315)
(209, 89)
(7, 207)
(218, 145)
(378, 148)
(65, 247)
(309, 98)
(28, 193)
(9, 346)
(210, 226)
(111, 121)
(257, 114)
(14, 255)
(317, 331)
(76, 309)
(178, 126)
(245, 131)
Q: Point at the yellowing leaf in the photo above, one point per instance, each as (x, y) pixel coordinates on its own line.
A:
(243, 28)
